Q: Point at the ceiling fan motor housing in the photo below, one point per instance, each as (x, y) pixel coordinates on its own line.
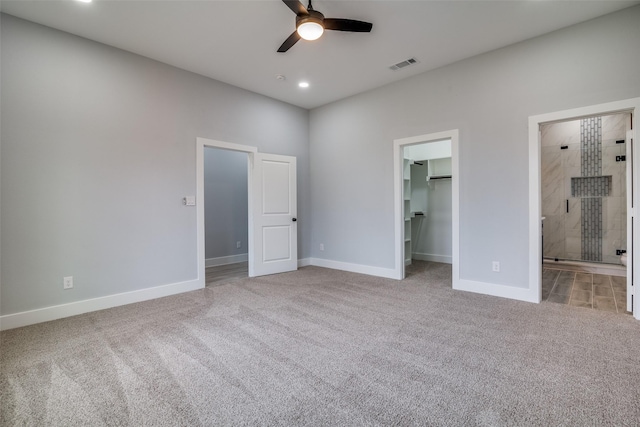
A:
(313, 16)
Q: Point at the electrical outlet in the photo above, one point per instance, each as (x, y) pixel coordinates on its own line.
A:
(495, 266)
(67, 282)
(238, 244)
(322, 246)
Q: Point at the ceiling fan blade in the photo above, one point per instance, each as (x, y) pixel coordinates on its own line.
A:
(290, 41)
(347, 25)
(296, 7)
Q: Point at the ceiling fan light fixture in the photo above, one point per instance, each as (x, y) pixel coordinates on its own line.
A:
(310, 28)
(310, 24)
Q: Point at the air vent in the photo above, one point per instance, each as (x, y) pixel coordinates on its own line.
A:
(405, 63)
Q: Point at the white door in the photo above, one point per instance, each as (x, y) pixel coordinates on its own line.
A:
(273, 229)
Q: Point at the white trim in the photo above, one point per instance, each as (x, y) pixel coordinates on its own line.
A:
(25, 318)
(535, 212)
(225, 260)
(631, 182)
(201, 143)
(397, 210)
(226, 145)
(512, 292)
(535, 206)
(304, 262)
(398, 145)
(447, 259)
(388, 273)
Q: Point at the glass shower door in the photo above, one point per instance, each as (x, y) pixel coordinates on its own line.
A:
(583, 189)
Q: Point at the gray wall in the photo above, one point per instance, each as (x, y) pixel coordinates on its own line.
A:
(98, 149)
(489, 99)
(225, 202)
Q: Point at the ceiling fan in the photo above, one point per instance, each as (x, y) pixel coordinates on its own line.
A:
(310, 24)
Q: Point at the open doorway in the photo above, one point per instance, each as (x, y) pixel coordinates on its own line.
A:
(584, 166)
(226, 219)
(271, 209)
(426, 201)
(601, 176)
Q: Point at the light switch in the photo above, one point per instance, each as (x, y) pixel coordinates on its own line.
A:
(189, 201)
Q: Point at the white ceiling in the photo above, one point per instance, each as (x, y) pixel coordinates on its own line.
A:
(236, 41)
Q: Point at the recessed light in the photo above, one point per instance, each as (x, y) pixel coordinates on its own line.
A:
(85, 1)
(303, 84)
(281, 77)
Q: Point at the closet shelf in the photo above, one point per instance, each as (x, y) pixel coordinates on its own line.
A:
(414, 215)
(429, 178)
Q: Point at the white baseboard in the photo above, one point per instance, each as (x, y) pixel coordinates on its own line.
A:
(304, 262)
(224, 260)
(25, 318)
(447, 259)
(388, 273)
(511, 292)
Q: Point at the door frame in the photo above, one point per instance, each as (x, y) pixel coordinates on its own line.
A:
(398, 149)
(201, 143)
(535, 205)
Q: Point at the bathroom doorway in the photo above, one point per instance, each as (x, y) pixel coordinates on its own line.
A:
(584, 180)
(584, 211)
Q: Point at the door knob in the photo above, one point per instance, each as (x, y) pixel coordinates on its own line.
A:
(294, 219)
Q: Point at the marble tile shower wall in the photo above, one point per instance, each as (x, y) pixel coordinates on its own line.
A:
(563, 231)
(591, 203)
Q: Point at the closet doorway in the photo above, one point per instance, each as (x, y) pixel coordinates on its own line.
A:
(426, 194)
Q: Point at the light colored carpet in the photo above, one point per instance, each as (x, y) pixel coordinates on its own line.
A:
(322, 347)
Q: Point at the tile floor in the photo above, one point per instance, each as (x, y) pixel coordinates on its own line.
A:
(587, 290)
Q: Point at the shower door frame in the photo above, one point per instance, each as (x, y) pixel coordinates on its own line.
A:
(535, 205)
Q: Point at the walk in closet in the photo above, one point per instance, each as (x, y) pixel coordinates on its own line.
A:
(427, 202)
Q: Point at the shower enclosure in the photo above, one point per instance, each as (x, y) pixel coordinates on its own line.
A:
(584, 189)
